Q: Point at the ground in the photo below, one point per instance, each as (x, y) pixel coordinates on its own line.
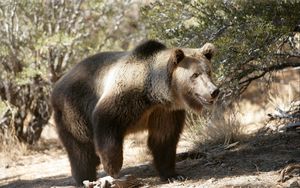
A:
(255, 162)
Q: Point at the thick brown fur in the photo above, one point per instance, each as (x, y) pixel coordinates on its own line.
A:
(112, 94)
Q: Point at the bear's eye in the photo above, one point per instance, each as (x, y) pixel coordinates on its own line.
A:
(195, 75)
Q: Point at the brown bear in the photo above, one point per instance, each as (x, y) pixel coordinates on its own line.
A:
(112, 94)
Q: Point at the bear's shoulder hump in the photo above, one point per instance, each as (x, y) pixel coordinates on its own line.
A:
(148, 49)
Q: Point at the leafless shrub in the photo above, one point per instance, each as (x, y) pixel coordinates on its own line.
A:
(286, 113)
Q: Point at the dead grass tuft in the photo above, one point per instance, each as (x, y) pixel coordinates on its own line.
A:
(11, 148)
(283, 100)
(285, 109)
(220, 127)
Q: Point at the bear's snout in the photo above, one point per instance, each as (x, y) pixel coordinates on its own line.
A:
(215, 93)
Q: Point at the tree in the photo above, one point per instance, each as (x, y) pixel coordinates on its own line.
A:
(39, 40)
(254, 38)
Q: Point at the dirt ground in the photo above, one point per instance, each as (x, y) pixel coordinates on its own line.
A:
(255, 162)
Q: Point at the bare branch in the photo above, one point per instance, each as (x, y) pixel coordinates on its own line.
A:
(266, 70)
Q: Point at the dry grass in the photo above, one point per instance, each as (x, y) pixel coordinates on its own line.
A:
(221, 127)
(133, 144)
(11, 148)
(282, 100)
(285, 90)
(284, 108)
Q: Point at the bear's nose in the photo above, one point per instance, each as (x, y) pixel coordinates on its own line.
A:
(215, 93)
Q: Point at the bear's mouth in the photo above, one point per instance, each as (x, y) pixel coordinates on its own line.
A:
(204, 101)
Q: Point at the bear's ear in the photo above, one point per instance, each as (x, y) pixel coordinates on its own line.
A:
(208, 50)
(178, 56)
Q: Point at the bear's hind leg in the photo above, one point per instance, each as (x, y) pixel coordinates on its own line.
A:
(82, 156)
(83, 162)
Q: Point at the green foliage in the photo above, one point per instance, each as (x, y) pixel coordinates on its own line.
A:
(52, 34)
(248, 34)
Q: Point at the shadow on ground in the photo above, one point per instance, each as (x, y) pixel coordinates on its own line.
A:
(42, 182)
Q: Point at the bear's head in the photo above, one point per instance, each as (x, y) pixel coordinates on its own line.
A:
(191, 77)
